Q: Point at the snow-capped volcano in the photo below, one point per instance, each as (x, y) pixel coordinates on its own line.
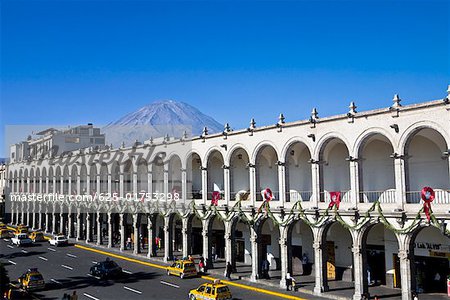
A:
(170, 112)
(158, 119)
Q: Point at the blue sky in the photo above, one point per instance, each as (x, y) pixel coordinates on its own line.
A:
(71, 62)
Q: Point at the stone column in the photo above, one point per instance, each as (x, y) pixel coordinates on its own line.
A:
(88, 185)
(150, 184)
(22, 219)
(206, 241)
(121, 194)
(78, 191)
(168, 251)
(13, 204)
(40, 219)
(98, 184)
(61, 223)
(186, 237)
(204, 185)
(354, 183)
(110, 230)
(33, 217)
(109, 184)
(88, 227)
(320, 267)
(78, 225)
(46, 221)
(400, 182)
(254, 239)
(70, 225)
(406, 275)
(360, 277)
(282, 183)
(99, 228)
(151, 235)
(166, 181)
(136, 249)
(228, 243)
(183, 195)
(315, 181)
(54, 229)
(283, 256)
(135, 187)
(122, 231)
(46, 185)
(226, 184)
(252, 182)
(69, 188)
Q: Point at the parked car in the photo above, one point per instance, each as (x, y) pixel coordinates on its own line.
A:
(182, 268)
(6, 234)
(21, 239)
(32, 280)
(37, 236)
(106, 269)
(59, 240)
(211, 291)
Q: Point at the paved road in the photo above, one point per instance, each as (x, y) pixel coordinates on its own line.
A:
(65, 269)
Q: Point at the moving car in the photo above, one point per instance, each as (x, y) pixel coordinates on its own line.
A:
(6, 234)
(21, 229)
(211, 291)
(21, 239)
(37, 236)
(58, 240)
(182, 268)
(106, 269)
(32, 280)
(3, 225)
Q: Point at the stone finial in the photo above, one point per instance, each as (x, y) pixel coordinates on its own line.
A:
(252, 124)
(281, 119)
(205, 131)
(123, 145)
(185, 135)
(352, 109)
(226, 128)
(396, 101)
(151, 140)
(447, 99)
(111, 146)
(167, 138)
(314, 115)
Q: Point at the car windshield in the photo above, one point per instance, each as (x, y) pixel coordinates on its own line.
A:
(36, 277)
(189, 265)
(222, 289)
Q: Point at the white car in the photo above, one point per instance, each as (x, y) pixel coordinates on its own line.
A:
(58, 240)
(21, 239)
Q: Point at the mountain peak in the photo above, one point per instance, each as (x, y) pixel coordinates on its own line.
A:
(172, 113)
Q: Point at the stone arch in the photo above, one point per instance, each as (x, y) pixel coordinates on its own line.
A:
(298, 246)
(291, 142)
(259, 147)
(215, 177)
(238, 160)
(266, 169)
(298, 173)
(194, 176)
(325, 139)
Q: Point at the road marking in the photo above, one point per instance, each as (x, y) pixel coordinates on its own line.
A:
(24, 251)
(55, 281)
(9, 246)
(94, 262)
(51, 249)
(133, 290)
(6, 240)
(67, 267)
(43, 258)
(126, 271)
(170, 284)
(90, 296)
(90, 275)
(11, 262)
(71, 255)
(232, 283)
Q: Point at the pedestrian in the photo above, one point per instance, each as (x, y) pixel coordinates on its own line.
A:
(128, 246)
(201, 265)
(213, 253)
(64, 297)
(305, 262)
(290, 282)
(228, 270)
(265, 268)
(74, 296)
(142, 241)
(104, 232)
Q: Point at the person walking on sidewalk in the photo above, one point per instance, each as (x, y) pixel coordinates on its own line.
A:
(228, 269)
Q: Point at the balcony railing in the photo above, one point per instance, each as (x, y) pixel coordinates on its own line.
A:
(387, 196)
(275, 194)
(295, 196)
(345, 197)
(441, 196)
(194, 195)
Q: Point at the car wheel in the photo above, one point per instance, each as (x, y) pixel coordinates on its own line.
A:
(192, 297)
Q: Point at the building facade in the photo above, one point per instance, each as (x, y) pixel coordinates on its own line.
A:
(346, 190)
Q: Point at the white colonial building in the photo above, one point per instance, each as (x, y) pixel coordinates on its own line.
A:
(377, 162)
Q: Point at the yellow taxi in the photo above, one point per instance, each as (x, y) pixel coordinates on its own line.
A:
(21, 229)
(31, 280)
(6, 234)
(182, 268)
(211, 291)
(37, 236)
(2, 225)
